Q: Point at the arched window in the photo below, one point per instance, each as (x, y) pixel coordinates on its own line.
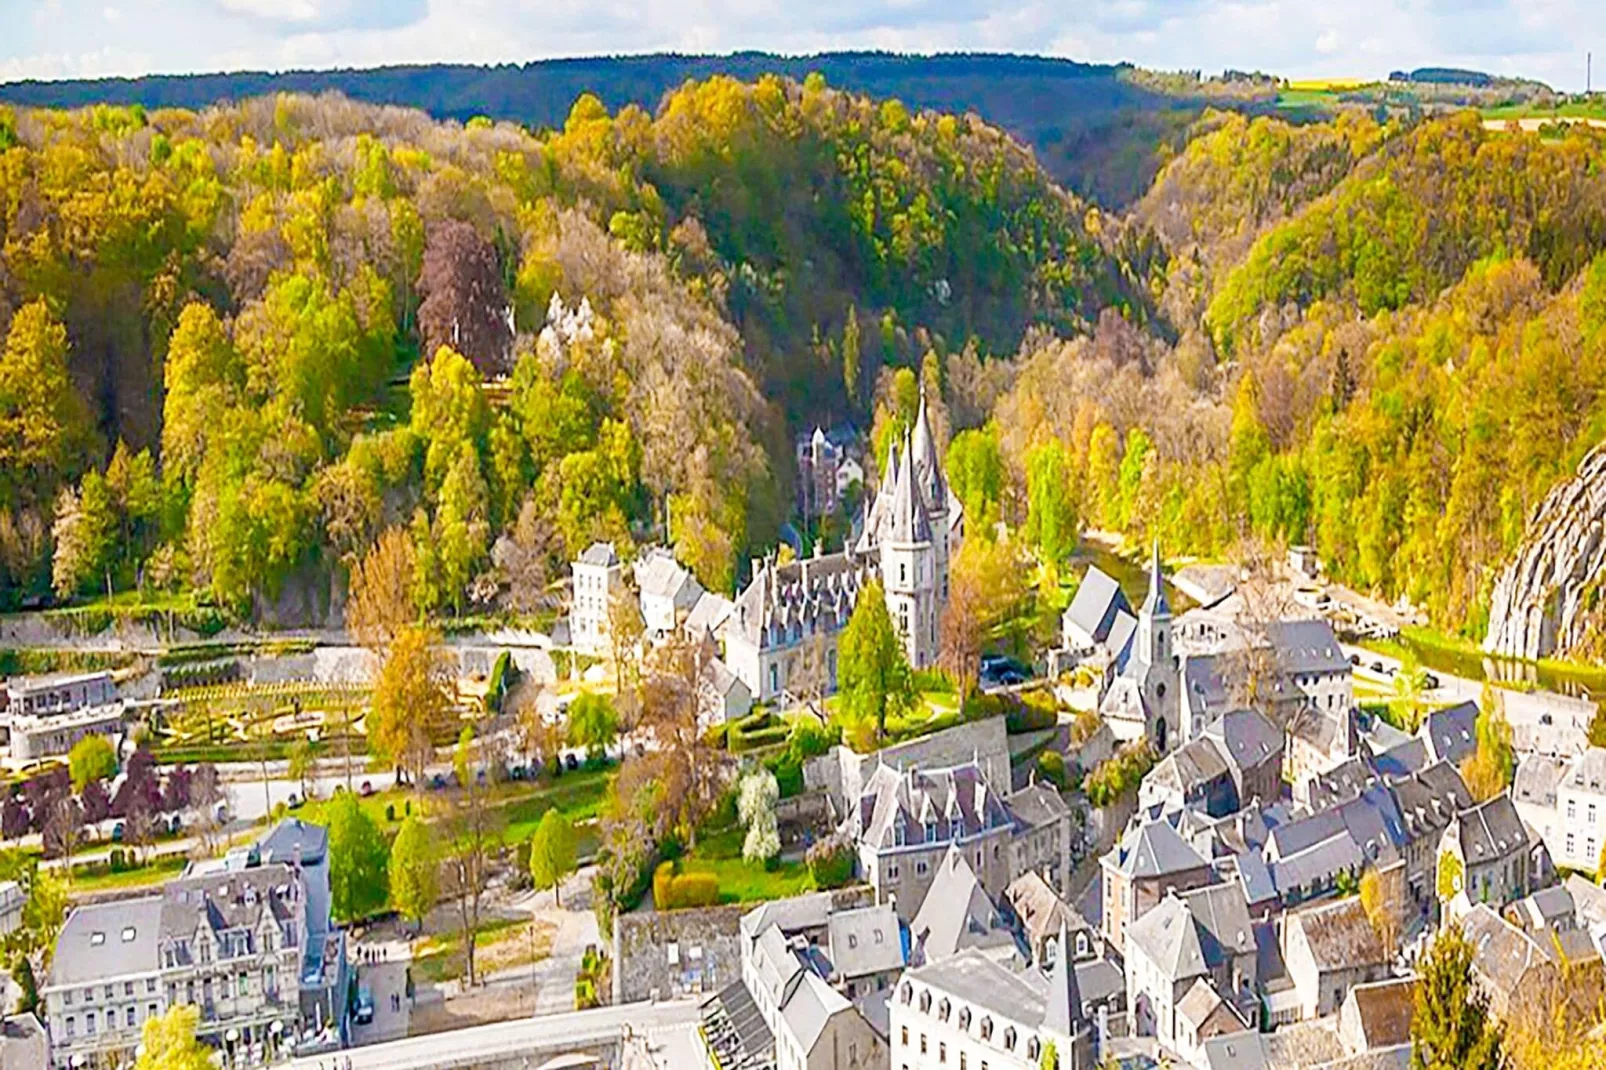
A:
(1009, 1038)
(943, 1008)
(986, 1028)
(905, 992)
(925, 1002)
(1032, 1048)
(964, 1018)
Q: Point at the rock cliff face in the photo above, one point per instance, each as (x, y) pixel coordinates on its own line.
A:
(1546, 602)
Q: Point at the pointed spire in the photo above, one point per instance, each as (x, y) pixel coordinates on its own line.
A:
(1155, 604)
(1062, 1012)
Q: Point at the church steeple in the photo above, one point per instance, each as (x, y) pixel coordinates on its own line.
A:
(1062, 1012)
(1155, 603)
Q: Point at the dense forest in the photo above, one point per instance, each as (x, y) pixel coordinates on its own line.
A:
(1101, 130)
(294, 323)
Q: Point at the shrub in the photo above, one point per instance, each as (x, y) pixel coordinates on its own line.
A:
(935, 681)
(830, 862)
(1051, 767)
(585, 993)
(1031, 711)
(680, 891)
(1121, 774)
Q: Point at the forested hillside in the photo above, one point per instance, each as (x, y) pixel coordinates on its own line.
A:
(1390, 346)
(1099, 130)
(292, 324)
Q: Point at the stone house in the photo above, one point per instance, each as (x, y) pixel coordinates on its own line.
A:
(1496, 856)
(1203, 935)
(668, 591)
(1328, 950)
(1149, 861)
(597, 577)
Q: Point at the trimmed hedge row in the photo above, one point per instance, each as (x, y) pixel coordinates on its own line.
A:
(680, 891)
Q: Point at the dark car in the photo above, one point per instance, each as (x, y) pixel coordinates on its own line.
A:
(1430, 681)
(367, 788)
(294, 802)
(570, 762)
(437, 782)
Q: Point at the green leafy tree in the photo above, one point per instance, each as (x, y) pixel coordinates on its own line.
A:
(552, 852)
(414, 870)
(91, 758)
(975, 468)
(1050, 1057)
(357, 860)
(1051, 522)
(45, 431)
(873, 671)
(1452, 1028)
(852, 370)
(593, 723)
(1451, 874)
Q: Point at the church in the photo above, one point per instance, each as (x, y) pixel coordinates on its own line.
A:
(1144, 693)
(781, 635)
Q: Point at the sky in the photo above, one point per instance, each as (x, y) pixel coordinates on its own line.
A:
(1544, 39)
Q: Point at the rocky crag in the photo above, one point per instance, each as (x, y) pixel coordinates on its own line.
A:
(1547, 601)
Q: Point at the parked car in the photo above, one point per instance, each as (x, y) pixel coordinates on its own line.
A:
(367, 788)
(1430, 681)
(570, 762)
(294, 802)
(437, 782)
(365, 1005)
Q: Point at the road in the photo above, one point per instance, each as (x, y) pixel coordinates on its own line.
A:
(481, 1046)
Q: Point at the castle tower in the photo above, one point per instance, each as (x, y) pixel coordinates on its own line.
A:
(908, 571)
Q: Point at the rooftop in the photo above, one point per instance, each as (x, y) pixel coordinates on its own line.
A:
(1340, 935)
(1384, 1010)
(105, 940)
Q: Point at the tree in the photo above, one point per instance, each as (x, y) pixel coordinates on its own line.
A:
(85, 534)
(871, 666)
(45, 430)
(357, 860)
(1383, 899)
(168, 1041)
(91, 758)
(626, 629)
(1050, 1057)
(465, 297)
(976, 473)
(381, 604)
(473, 835)
(1489, 769)
(690, 773)
(302, 762)
(755, 805)
(552, 852)
(412, 703)
(1051, 522)
(1597, 726)
(1451, 873)
(593, 723)
(22, 976)
(1451, 1028)
(414, 870)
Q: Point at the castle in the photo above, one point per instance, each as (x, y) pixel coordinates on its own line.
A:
(781, 635)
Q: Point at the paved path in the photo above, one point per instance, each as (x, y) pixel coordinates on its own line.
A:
(665, 1024)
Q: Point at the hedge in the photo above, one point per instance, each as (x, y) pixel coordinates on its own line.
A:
(1051, 767)
(680, 891)
(831, 863)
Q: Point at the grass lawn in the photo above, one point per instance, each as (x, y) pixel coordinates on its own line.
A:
(578, 794)
(159, 871)
(501, 943)
(719, 851)
(1577, 109)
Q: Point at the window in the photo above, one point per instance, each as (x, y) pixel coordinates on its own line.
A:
(920, 869)
(150, 1010)
(150, 984)
(71, 1026)
(89, 1024)
(128, 988)
(1572, 844)
(1591, 813)
(130, 1017)
(942, 1051)
(922, 1043)
(903, 1037)
(1572, 809)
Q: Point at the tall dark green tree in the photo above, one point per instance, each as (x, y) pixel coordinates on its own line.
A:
(872, 669)
(358, 858)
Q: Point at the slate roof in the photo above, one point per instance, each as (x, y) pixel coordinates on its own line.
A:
(783, 601)
(1339, 935)
(809, 1009)
(1155, 602)
(1589, 900)
(1491, 830)
(1588, 771)
(1063, 1012)
(1168, 936)
(1153, 849)
(1451, 734)
(865, 941)
(1384, 1010)
(811, 911)
(1340, 784)
(973, 978)
(1211, 1016)
(1191, 766)
(229, 900)
(599, 553)
(1241, 1052)
(1306, 646)
(658, 574)
(1430, 799)
(1248, 736)
(294, 840)
(1099, 980)
(1502, 954)
(707, 614)
(1536, 779)
(1221, 914)
(1402, 759)
(1037, 805)
(1096, 605)
(1041, 911)
(957, 800)
(105, 940)
(957, 913)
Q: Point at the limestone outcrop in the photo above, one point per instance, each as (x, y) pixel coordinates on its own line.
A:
(1547, 601)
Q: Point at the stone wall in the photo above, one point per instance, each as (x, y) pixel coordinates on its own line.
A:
(676, 953)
